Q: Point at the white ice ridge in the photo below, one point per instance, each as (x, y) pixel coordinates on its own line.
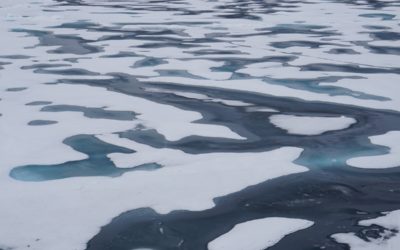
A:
(258, 234)
(392, 159)
(389, 240)
(64, 214)
(310, 125)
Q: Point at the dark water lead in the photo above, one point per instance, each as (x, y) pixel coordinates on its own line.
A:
(334, 199)
(38, 103)
(41, 122)
(16, 89)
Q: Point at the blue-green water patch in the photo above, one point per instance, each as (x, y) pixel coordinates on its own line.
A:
(382, 16)
(95, 113)
(97, 163)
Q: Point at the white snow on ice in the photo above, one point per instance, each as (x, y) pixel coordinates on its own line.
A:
(389, 240)
(258, 234)
(310, 125)
(391, 159)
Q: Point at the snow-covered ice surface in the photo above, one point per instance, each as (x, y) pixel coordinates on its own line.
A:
(389, 160)
(192, 124)
(383, 233)
(258, 234)
(310, 125)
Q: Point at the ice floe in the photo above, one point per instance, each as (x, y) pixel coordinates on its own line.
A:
(388, 239)
(258, 234)
(310, 125)
(389, 160)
